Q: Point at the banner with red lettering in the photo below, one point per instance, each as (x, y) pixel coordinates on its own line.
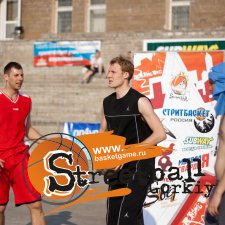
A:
(64, 53)
(177, 85)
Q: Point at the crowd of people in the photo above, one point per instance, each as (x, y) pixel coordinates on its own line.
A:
(128, 113)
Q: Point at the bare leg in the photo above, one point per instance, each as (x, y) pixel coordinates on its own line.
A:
(36, 212)
(87, 75)
(2, 214)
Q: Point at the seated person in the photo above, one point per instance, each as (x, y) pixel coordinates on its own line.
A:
(130, 56)
(96, 67)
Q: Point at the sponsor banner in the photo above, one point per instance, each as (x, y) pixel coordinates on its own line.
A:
(61, 53)
(184, 44)
(192, 210)
(178, 87)
(77, 129)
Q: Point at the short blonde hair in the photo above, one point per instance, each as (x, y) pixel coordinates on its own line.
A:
(125, 64)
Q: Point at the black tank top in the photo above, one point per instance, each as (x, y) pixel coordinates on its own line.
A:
(123, 117)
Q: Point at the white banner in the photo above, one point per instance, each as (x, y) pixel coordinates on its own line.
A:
(177, 85)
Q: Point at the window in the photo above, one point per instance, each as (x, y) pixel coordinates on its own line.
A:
(97, 2)
(96, 21)
(9, 18)
(179, 14)
(64, 16)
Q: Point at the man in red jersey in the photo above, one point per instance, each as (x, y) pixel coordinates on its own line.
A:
(15, 124)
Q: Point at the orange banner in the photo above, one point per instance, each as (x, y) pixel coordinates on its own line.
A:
(108, 150)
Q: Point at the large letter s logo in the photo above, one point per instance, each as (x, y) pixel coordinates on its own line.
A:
(51, 185)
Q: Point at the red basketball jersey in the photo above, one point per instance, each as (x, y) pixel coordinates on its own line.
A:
(13, 117)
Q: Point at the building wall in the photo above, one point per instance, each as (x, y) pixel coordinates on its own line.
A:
(37, 17)
(133, 15)
(112, 44)
(207, 14)
(79, 15)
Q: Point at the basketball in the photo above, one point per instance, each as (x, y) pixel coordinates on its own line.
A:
(39, 170)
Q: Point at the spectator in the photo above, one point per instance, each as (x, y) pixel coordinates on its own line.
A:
(130, 56)
(96, 67)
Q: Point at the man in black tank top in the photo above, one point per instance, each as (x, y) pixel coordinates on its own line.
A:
(130, 114)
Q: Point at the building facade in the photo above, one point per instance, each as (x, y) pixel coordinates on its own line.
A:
(34, 19)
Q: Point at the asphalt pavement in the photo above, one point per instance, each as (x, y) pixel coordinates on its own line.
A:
(88, 213)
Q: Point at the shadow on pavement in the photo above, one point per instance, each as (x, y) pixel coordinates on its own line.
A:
(61, 218)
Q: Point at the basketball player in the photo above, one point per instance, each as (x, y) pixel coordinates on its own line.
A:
(15, 124)
(216, 206)
(130, 114)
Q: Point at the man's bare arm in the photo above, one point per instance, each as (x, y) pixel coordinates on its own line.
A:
(153, 122)
(215, 200)
(31, 133)
(103, 124)
(1, 164)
